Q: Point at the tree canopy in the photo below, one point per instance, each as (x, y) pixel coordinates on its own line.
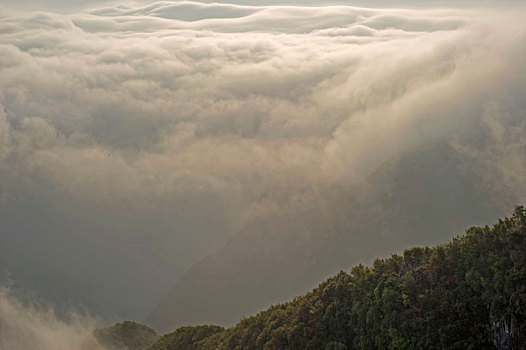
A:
(126, 335)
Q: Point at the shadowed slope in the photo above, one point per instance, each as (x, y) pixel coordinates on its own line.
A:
(418, 199)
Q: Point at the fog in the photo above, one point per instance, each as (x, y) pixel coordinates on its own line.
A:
(138, 138)
(32, 325)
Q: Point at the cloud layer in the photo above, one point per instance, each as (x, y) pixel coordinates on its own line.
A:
(154, 132)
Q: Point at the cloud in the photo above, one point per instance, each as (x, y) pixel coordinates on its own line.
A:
(30, 325)
(194, 118)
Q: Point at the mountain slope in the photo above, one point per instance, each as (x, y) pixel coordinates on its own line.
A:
(418, 199)
(467, 294)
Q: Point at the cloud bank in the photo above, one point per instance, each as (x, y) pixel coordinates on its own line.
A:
(146, 135)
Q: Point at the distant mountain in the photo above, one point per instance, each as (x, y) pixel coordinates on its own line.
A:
(467, 294)
(421, 198)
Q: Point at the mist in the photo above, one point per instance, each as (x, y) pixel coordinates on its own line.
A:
(32, 325)
(139, 138)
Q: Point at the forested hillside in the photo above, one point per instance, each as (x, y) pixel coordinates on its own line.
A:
(467, 294)
(126, 335)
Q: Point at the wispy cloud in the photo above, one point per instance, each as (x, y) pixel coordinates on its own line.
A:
(30, 325)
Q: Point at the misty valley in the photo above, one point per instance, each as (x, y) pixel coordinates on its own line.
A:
(468, 293)
(273, 175)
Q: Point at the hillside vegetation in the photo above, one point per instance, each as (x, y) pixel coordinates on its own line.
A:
(127, 335)
(467, 294)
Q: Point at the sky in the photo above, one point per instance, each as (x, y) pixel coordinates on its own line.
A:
(137, 138)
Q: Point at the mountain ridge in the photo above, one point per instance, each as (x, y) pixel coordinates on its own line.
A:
(469, 293)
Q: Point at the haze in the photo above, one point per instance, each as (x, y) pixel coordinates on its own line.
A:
(150, 150)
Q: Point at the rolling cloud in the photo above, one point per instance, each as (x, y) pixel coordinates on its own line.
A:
(155, 131)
